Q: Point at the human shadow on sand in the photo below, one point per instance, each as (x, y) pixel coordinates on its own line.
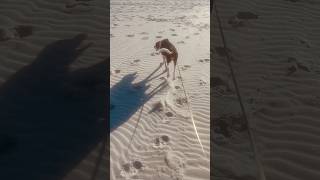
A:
(127, 97)
(51, 117)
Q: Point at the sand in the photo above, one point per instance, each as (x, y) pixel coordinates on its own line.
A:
(275, 50)
(152, 133)
(40, 139)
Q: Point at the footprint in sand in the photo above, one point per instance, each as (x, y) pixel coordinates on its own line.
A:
(181, 101)
(187, 37)
(221, 51)
(174, 35)
(161, 142)
(303, 67)
(131, 169)
(204, 60)
(175, 162)
(130, 35)
(22, 31)
(145, 38)
(180, 42)
(157, 107)
(219, 86)
(158, 36)
(202, 82)
(172, 29)
(169, 114)
(196, 33)
(185, 67)
(229, 125)
(19, 31)
(304, 42)
(290, 70)
(144, 33)
(137, 165)
(295, 66)
(135, 62)
(217, 81)
(117, 71)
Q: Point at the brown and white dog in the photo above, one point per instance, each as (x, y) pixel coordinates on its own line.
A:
(169, 53)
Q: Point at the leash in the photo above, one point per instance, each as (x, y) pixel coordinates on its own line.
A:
(152, 93)
(261, 174)
(134, 132)
(190, 110)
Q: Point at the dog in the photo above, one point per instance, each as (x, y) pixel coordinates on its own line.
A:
(169, 53)
(166, 55)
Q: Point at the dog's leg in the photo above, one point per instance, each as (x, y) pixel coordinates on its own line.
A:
(168, 71)
(174, 71)
(165, 63)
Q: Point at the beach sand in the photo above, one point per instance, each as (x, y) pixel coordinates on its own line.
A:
(152, 133)
(274, 45)
(46, 131)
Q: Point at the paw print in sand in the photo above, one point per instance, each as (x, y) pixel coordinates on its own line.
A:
(181, 101)
(202, 82)
(19, 31)
(135, 62)
(204, 60)
(131, 169)
(185, 67)
(295, 66)
(161, 142)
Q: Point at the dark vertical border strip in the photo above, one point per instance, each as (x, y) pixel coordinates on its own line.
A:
(211, 103)
(108, 91)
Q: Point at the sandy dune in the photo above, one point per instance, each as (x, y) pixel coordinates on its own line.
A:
(152, 134)
(45, 132)
(275, 48)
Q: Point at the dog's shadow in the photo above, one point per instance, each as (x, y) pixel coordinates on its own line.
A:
(127, 97)
(51, 118)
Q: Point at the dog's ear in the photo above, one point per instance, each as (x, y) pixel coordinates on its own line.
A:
(165, 40)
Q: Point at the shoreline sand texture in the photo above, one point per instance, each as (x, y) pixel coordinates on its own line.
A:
(51, 134)
(152, 134)
(274, 45)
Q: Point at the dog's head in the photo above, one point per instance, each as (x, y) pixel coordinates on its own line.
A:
(160, 44)
(157, 45)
